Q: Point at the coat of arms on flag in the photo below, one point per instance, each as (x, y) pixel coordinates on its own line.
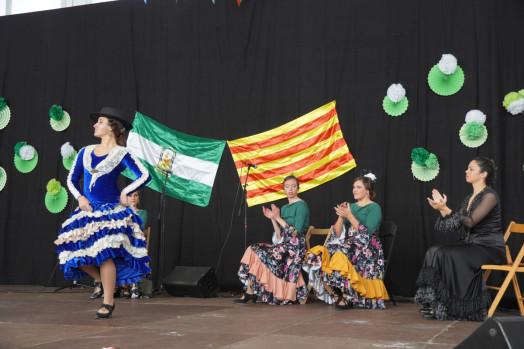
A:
(194, 167)
(311, 147)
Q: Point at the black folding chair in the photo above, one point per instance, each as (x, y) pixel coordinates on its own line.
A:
(386, 234)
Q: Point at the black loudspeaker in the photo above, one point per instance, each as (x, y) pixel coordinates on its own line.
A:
(496, 333)
(200, 282)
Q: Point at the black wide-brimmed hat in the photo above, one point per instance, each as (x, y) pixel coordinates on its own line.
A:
(112, 113)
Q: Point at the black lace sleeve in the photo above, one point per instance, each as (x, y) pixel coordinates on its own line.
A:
(457, 219)
(451, 222)
(487, 203)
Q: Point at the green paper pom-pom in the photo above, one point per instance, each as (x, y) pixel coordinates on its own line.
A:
(419, 156)
(474, 130)
(53, 187)
(431, 161)
(510, 98)
(56, 112)
(18, 146)
(2, 103)
(521, 92)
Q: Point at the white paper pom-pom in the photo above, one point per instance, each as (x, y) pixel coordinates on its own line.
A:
(476, 115)
(67, 150)
(396, 92)
(447, 64)
(516, 107)
(27, 152)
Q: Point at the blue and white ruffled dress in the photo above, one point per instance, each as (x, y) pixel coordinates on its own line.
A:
(110, 231)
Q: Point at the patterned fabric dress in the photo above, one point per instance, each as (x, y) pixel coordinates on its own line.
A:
(451, 281)
(110, 231)
(274, 269)
(353, 262)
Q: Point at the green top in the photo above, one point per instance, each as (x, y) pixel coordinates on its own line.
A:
(369, 215)
(143, 215)
(296, 215)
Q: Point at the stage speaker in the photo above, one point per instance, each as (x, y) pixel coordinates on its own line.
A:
(200, 282)
(496, 333)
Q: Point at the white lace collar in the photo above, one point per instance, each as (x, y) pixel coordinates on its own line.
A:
(105, 166)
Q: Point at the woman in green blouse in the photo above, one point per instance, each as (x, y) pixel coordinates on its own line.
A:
(272, 272)
(349, 270)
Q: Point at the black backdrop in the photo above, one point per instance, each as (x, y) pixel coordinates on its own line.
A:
(224, 72)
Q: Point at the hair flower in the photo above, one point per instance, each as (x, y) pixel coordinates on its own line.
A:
(371, 176)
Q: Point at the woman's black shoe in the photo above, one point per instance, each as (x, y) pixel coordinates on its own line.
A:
(343, 304)
(110, 309)
(100, 293)
(425, 310)
(247, 297)
(429, 316)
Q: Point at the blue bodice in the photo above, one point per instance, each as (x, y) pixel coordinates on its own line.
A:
(101, 173)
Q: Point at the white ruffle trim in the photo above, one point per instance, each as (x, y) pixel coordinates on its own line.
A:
(89, 229)
(96, 214)
(111, 241)
(316, 282)
(340, 239)
(277, 240)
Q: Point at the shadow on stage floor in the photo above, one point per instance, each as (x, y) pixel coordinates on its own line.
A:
(38, 317)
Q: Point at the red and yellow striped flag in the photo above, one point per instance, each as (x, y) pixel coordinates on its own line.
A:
(311, 147)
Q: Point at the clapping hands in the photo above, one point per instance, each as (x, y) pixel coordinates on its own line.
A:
(272, 213)
(343, 210)
(438, 201)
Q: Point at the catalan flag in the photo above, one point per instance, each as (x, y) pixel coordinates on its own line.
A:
(311, 147)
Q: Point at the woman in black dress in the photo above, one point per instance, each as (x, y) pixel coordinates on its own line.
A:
(451, 284)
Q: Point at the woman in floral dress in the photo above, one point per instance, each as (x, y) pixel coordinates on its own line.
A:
(349, 270)
(272, 271)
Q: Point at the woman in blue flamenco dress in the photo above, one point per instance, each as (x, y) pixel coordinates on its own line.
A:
(102, 237)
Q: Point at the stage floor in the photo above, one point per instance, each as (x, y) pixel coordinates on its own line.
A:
(37, 317)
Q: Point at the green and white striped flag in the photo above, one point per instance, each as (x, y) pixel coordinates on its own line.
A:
(195, 165)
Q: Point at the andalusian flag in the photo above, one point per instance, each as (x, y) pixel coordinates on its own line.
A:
(194, 168)
(311, 147)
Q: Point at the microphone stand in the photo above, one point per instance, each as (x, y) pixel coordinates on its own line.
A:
(161, 228)
(244, 189)
(165, 163)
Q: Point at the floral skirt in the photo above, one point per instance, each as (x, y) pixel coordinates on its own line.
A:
(110, 231)
(273, 273)
(355, 266)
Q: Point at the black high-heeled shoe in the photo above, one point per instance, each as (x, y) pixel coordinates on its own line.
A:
(343, 304)
(425, 310)
(98, 294)
(247, 297)
(110, 309)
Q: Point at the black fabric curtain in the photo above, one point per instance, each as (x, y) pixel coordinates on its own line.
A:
(224, 71)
